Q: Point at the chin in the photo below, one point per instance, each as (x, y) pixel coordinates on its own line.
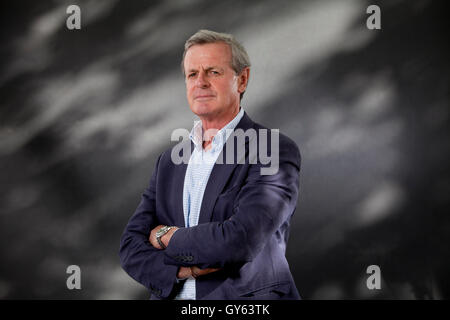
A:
(202, 109)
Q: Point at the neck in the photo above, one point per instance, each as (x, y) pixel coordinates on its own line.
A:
(211, 125)
(219, 121)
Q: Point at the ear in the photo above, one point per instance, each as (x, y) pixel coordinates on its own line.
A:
(243, 79)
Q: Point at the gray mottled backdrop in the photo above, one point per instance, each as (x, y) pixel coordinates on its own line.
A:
(85, 113)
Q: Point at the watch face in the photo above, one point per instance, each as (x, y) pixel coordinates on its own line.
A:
(161, 231)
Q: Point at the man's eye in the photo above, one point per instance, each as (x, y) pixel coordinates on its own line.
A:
(190, 75)
(214, 72)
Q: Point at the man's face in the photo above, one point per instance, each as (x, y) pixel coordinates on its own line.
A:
(212, 86)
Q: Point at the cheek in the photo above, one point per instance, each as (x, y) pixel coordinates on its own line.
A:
(189, 92)
(233, 85)
(232, 89)
(227, 88)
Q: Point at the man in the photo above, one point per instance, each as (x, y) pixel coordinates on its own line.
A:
(208, 229)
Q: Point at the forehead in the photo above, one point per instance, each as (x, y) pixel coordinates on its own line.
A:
(207, 54)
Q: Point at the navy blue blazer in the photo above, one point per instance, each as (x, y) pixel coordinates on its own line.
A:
(243, 228)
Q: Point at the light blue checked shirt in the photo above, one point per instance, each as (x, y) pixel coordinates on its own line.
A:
(197, 174)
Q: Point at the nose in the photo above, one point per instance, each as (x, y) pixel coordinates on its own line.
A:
(202, 81)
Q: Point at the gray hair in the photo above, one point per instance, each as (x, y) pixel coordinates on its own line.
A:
(239, 56)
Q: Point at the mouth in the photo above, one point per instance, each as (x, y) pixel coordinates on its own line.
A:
(204, 97)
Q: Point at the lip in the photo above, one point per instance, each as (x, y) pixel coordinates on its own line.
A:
(204, 97)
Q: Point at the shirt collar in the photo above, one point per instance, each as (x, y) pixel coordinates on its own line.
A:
(221, 136)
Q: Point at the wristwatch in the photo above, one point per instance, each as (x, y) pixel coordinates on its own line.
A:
(162, 231)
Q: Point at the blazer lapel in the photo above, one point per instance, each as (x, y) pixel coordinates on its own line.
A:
(220, 175)
(179, 174)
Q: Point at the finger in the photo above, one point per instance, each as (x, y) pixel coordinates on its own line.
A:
(196, 271)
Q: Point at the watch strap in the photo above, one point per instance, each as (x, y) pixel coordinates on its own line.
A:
(160, 242)
(161, 232)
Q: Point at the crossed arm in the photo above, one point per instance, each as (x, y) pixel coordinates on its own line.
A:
(183, 272)
(263, 204)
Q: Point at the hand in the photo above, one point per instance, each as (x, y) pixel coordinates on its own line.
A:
(152, 237)
(197, 272)
(184, 273)
(165, 238)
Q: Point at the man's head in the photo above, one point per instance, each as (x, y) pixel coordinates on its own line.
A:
(216, 69)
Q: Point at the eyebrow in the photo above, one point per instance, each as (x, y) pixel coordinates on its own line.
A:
(207, 69)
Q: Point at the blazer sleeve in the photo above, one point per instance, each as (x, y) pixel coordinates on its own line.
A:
(138, 257)
(265, 202)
